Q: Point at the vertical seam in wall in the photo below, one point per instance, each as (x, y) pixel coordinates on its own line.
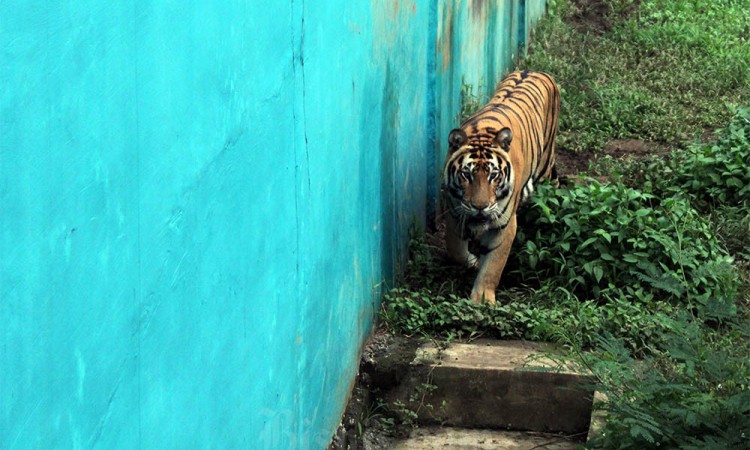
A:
(432, 150)
(522, 28)
(139, 187)
(304, 93)
(299, 139)
(302, 354)
(294, 137)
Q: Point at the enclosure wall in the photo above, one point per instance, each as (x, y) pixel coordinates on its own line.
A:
(201, 203)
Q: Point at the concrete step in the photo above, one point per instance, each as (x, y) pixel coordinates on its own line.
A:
(507, 385)
(468, 439)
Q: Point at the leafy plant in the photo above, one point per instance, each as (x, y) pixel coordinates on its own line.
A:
(692, 393)
(732, 225)
(471, 102)
(715, 177)
(548, 313)
(423, 312)
(598, 239)
(713, 174)
(637, 172)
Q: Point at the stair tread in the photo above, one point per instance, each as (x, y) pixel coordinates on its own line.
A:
(493, 355)
(495, 385)
(466, 439)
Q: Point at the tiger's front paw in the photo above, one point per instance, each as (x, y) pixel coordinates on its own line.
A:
(483, 296)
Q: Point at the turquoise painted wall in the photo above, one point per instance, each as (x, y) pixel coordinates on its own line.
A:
(199, 203)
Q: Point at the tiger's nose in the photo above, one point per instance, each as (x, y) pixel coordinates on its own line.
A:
(481, 206)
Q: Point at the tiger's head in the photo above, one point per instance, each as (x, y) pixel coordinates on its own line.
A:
(478, 178)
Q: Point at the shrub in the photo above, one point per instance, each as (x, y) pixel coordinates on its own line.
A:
(424, 312)
(692, 393)
(713, 174)
(732, 225)
(545, 314)
(599, 240)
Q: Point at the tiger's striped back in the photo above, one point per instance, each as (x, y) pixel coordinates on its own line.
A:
(528, 103)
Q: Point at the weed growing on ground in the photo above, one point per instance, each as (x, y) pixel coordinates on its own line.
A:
(693, 392)
(732, 226)
(600, 240)
(543, 314)
(714, 176)
(471, 102)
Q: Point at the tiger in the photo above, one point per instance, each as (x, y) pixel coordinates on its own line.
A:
(494, 159)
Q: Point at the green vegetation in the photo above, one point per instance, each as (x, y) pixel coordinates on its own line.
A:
(693, 392)
(592, 260)
(666, 71)
(470, 102)
(714, 176)
(643, 273)
(733, 228)
(711, 175)
(598, 240)
(645, 283)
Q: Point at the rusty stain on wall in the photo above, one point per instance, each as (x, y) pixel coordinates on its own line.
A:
(445, 38)
(393, 9)
(479, 9)
(390, 20)
(396, 6)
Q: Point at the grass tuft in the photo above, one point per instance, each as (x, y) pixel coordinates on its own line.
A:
(669, 72)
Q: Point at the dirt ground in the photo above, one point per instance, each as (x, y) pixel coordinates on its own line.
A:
(571, 164)
(596, 16)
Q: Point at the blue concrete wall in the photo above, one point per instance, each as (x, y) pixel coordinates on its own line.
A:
(199, 203)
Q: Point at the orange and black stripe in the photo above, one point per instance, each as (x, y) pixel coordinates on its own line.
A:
(528, 103)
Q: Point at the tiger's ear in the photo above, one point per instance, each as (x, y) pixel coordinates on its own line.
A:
(503, 138)
(457, 138)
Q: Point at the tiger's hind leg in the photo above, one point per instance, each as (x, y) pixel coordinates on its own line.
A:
(559, 181)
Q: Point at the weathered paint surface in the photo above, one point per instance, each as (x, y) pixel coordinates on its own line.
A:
(200, 201)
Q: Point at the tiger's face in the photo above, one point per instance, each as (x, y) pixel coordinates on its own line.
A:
(478, 176)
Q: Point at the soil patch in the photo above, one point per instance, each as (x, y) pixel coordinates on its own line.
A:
(597, 16)
(619, 148)
(591, 16)
(571, 164)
